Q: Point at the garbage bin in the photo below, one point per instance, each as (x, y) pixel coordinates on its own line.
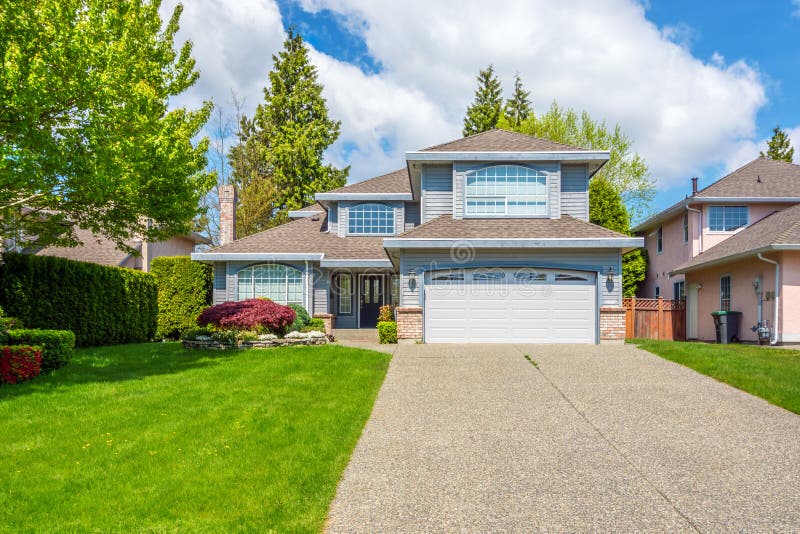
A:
(726, 324)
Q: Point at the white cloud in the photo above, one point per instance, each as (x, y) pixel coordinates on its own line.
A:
(603, 56)
(796, 11)
(748, 150)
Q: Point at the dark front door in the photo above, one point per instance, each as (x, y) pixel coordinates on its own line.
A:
(371, 297)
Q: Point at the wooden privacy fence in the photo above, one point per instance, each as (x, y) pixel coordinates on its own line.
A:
(655, 318)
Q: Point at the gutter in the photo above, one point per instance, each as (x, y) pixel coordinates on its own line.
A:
(699, 226)
(777, 297)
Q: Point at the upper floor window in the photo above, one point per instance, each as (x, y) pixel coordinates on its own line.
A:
(506, 190)
(686, 227)
(371, 219)
(726, 218)
(660, 240)
(279, 283)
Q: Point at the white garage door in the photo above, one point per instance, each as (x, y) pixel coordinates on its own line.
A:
(510, 306)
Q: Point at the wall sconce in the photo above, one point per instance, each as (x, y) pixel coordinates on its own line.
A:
(412, 279)
(610, 275)
(699, 286)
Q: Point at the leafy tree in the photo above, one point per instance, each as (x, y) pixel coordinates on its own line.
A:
(485, 111)
(626, 171)
(86, 136)
(779, 147)
(518, 107)
(607, 209)
(277, 164)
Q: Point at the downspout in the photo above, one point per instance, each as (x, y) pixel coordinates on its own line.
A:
(699, 226)
(777, 296)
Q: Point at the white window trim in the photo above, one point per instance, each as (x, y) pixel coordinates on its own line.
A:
(392, 209)
(286, 268)
(506, 215)
(349, 300)
(660, 240)
(727, 232)
(730, 292)
(685, 228)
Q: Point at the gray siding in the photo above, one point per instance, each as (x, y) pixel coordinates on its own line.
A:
(575, 191)
(553, 179)
(437, 191)
(411, 215)
(343, 211)
(220, 282)
(597, 260)
(333, 218)
(321, 290)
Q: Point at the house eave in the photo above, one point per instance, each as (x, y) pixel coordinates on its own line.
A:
(363, 196)
(256, 256)
(362, 263)
(624, 243)
(735, 257)
(566, 155)
(302, 214)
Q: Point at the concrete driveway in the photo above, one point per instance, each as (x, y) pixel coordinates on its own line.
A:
(477, 438)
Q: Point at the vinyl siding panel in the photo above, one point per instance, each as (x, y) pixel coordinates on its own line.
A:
(575, 191)
(554, 194)
(333, 218)
(320, 292)
(412, 213)
(437, 191)
(219, 294)
(596, 260)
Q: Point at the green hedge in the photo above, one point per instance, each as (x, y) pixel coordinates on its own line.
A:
(57, 345)
(184, 290)
(101, 305)
(387, 332)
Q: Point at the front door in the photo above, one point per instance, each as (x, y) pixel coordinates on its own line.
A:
(371, 298)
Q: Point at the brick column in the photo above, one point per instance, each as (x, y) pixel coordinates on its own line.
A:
(409, 323)
(329, 319)
(612, 325)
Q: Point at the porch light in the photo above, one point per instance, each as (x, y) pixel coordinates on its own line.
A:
(610, 275)
(412, 275)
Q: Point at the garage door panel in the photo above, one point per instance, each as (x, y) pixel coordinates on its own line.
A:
(525, 312)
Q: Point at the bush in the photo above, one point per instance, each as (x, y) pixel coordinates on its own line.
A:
(184, 290)
(387, 332)
(302, 318)
(385, 314)
(248, 314)
(102, 305)
(56, 345)
(315, 324)
(8, 323)
(19, 363)
(192, 333)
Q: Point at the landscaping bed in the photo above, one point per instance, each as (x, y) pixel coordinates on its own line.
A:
(269, 341)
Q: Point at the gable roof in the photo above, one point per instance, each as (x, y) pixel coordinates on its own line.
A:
(780, 230)
(391, 182)
(499, 140)
(762, 177)
(94, 249)
(304, 236)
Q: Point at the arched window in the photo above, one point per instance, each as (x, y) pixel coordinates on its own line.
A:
(371, 219)
(506, 190)
(279, 283)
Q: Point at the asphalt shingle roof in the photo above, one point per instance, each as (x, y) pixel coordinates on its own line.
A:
(779, 228)
(95, 249)
(445, 226)
(392, 182)
(498, 140)
(762, 177)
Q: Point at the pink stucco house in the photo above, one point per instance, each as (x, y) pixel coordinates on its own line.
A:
(734, 245)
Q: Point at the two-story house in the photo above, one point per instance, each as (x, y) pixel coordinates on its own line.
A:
(482, 239)
(734, 245)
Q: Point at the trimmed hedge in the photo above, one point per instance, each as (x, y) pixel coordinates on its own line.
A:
(19, 363)
(57, 345)
(184, 290)
(101, 305)
(387, 332)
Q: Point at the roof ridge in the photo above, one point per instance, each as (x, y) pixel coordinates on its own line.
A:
(496, 129)
(729, 174)
(295, 222)
(402, 169)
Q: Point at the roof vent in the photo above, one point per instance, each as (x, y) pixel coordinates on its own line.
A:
(315, 217)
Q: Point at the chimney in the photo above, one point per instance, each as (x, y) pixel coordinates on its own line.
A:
(227, 214)
(694, 186)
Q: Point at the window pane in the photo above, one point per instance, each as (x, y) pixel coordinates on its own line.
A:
(371, 219)
(506, 190)
(725, 293)
(345, 294)
(279, 283)
(727, 218)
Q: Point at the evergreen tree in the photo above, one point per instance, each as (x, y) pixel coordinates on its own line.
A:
(606, 209)
(519, 106)
(277, 165)
(486, 109)
(779, 147)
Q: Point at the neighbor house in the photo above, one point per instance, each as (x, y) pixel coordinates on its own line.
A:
(482, 239)
(725, 246)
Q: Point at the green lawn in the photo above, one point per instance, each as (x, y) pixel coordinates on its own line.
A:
(770, 373)
(155, 438)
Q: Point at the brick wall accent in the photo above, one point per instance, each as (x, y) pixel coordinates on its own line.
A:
(329, 319)
(612, 325)
(227, 214)
(409, 323)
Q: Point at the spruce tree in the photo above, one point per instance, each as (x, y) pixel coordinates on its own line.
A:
(779, 147)
(518, 107)
(486, 109)
(278, 163)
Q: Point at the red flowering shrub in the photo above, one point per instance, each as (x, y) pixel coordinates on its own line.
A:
(248, 315)
(19, 363)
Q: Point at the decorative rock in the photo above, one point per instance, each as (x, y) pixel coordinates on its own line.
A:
(295, 335)
(302, 339)
(267, 337)
(315, 334)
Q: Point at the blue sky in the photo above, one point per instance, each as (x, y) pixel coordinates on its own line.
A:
(697, 85)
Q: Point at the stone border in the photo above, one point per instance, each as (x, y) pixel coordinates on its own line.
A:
(281, 342)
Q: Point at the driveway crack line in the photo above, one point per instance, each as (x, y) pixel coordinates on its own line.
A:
(535, 365)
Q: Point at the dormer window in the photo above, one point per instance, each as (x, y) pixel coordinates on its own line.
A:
(370, 219)
(511, 190)
(727, 218)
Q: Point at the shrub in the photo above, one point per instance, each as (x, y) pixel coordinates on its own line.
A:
(387, 332)
(316, 324)
(19, 363)
(385, 314)
(192, 333)
(56, 345)
(302, 318)
(248, 315)
(102, 305)
(224, 336)
(184, 290)
(8, 323)
(247, 335)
